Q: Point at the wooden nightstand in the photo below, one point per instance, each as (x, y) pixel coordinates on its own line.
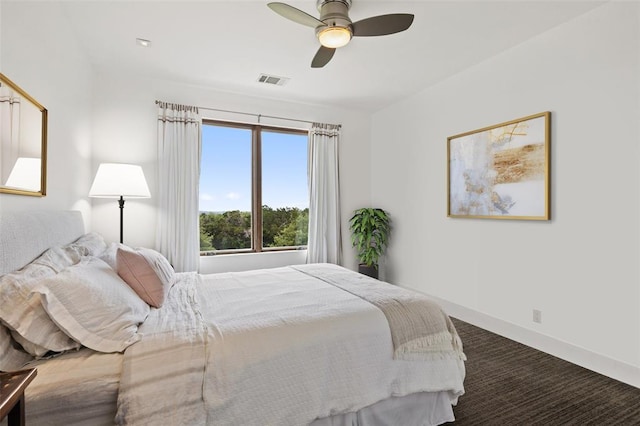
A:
(12, 386)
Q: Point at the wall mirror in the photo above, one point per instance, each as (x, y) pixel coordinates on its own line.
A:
(23, 142)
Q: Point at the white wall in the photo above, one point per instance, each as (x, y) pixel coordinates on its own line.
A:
(581, 269)
(125, 130)
(42, 56)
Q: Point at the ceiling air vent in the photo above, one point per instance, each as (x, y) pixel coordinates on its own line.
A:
(272, 79)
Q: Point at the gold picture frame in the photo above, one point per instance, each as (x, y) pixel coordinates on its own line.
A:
(501, 171)
(23, 142)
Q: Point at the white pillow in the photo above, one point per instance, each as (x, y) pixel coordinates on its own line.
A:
(91, 244)
(23, 314)
(90, 303)
(56, 259)
(110, 253)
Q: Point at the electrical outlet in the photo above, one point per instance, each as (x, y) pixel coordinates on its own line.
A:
(537, 316)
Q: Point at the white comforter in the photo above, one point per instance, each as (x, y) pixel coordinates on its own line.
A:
(269, 347)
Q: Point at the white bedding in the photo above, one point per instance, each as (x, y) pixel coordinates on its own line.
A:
(76, 388)
(269, 347)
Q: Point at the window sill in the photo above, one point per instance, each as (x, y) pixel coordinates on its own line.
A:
(235, 262)
(249, 251)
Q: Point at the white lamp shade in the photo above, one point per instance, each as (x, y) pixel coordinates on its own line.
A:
(119, 180)
(25, 174)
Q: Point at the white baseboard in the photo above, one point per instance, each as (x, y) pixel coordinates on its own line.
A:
(600, 364)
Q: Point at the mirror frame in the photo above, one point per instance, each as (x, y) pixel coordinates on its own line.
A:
(43, 147)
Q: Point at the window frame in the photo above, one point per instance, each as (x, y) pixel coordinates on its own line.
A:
(256, 185)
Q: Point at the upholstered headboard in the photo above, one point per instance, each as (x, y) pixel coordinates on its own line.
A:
(26, 235)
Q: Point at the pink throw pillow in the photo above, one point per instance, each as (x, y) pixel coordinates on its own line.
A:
(148, 283)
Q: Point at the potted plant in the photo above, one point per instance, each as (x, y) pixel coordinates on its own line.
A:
(370, 229)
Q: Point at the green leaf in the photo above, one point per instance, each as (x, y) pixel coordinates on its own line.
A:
(370, 228)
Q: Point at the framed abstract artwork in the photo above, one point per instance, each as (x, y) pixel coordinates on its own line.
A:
(501, 171)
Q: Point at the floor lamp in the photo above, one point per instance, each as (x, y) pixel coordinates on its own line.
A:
(119, 181)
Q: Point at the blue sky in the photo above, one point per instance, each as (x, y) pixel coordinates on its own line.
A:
(225, 176)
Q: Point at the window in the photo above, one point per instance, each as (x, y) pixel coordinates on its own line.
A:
(253, 188)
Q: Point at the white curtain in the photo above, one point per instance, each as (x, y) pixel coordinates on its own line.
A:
(179, 152)
(9, 132)
(325, 240)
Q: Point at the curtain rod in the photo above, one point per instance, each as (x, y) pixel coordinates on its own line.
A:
(254, 115)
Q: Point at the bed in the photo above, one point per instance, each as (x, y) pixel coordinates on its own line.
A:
(301, 345)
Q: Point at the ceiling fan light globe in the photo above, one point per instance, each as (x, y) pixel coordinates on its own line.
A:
(334, 37)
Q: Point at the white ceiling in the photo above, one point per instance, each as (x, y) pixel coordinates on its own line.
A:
(226, 44)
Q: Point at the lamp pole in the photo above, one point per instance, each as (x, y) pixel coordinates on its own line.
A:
(121, 204)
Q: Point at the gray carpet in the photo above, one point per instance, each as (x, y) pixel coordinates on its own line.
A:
(508, 383)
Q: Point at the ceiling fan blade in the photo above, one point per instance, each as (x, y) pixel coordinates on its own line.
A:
(323, 56)
(296, 15)
(382, 25)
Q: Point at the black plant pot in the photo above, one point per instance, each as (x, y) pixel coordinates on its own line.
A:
(371, 271)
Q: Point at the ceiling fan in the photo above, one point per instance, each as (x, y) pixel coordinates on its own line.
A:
(334, 28)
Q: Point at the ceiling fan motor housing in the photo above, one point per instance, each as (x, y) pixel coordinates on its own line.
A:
(320, 3)
(334, 13)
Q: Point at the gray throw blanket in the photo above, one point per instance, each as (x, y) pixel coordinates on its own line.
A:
(419, 328)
